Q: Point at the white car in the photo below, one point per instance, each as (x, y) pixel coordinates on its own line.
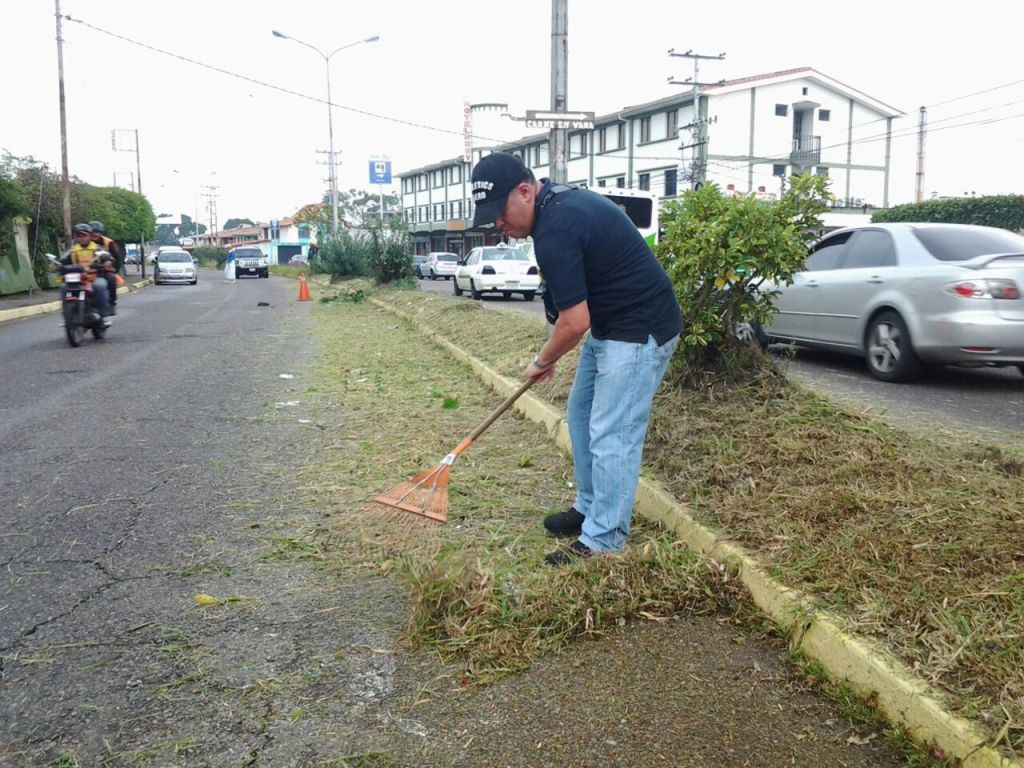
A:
(174, 266)
(497, 269)
(438, 264)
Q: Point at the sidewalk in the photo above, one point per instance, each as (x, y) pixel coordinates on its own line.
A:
(17, 305)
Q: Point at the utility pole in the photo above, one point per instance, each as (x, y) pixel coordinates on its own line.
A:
(65, 180)
(332, 162)
(136, 184)
(698, 127)
(922, 122)
(211, 205)
(558, 137)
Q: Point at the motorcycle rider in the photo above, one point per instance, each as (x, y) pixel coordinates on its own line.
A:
(83, 253)
(110, 246)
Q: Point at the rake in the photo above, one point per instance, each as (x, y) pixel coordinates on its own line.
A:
(426, 494)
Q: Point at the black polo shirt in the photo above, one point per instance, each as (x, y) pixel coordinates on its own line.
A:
(587, 248)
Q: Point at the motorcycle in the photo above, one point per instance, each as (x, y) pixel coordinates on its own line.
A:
(79, 310)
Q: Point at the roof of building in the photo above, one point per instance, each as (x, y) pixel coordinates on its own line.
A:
(725, 86)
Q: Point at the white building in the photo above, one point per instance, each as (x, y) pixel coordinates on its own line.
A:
(748, 136)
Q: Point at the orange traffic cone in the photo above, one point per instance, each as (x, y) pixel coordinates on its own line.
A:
(303, 288)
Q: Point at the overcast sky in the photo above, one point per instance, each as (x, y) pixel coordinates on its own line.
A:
(402, 95)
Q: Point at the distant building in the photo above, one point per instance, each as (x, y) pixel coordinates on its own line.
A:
(747, 135)
(279, 239)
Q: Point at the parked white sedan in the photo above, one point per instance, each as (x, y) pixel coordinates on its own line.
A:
(497, 269)
(906, 296)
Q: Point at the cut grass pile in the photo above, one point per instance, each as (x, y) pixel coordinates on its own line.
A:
(913, 541)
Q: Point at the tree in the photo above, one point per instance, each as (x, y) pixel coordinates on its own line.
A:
(190, 228)
(719, 251)
(361, 209)
(236, 223)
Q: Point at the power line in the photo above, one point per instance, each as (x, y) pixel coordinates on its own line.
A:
(414, 124)
(265, 84)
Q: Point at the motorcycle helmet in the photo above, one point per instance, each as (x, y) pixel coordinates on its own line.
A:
(79, 228)
(97, 226)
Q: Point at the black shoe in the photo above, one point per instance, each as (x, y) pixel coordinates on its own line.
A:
(569, 555)
(568, 523)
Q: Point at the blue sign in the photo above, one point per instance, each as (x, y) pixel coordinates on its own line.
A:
(380, 171)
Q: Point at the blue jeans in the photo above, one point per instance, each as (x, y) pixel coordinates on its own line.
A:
(100, 295)
(609, 407)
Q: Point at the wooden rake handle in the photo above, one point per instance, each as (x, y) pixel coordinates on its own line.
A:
(493, 417)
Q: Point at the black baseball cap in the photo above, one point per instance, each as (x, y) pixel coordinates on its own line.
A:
(493, 178)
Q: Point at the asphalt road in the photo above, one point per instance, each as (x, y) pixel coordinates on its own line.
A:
(989, 401)
(136, 473)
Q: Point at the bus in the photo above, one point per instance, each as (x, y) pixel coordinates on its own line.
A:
(639, 205)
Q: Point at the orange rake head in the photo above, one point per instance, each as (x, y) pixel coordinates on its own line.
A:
(425, 495)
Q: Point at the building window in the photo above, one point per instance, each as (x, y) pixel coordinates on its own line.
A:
(778, 170)
(455, 174)
(602, 140)
(781, 110)
(421, 182)
(645, 130)
(578, 145)
(423, 213)
(455, 210)
(601, 182)
(804, 91)
(824, 115)
(822, 171)
(620, 182)
(622, 137)
(645, 181)
(672, 124)
(438, 178)
(670, 182)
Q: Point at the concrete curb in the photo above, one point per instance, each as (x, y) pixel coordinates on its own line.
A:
(17, 313)
(868, 669)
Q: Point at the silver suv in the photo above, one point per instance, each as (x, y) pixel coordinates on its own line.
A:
(250, 260)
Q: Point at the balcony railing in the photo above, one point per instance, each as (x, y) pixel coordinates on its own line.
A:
(806, 152)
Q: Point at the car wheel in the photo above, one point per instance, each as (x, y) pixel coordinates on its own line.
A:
(890, 353)
(418, 273)
(455, 287)
(474, 292)
(745, 332)
(432, 275)
(507, 294)
(194, 281)
(528, 295)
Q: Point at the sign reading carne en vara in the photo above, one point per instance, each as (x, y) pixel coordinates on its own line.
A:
(577, 120)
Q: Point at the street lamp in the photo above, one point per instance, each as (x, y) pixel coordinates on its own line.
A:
(330, 116)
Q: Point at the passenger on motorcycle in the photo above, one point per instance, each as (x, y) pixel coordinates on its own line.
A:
(84, 253)
(110, 246)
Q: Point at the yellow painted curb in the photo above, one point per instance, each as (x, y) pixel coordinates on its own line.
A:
(868, 669)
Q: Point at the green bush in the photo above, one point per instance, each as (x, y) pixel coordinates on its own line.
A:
(210, 257)
(390, 258)
(1005, 211)
(719, 250)
(344, 256)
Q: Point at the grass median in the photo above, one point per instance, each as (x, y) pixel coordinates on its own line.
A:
(916, 542)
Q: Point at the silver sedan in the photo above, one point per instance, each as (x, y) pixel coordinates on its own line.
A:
(907, 296)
